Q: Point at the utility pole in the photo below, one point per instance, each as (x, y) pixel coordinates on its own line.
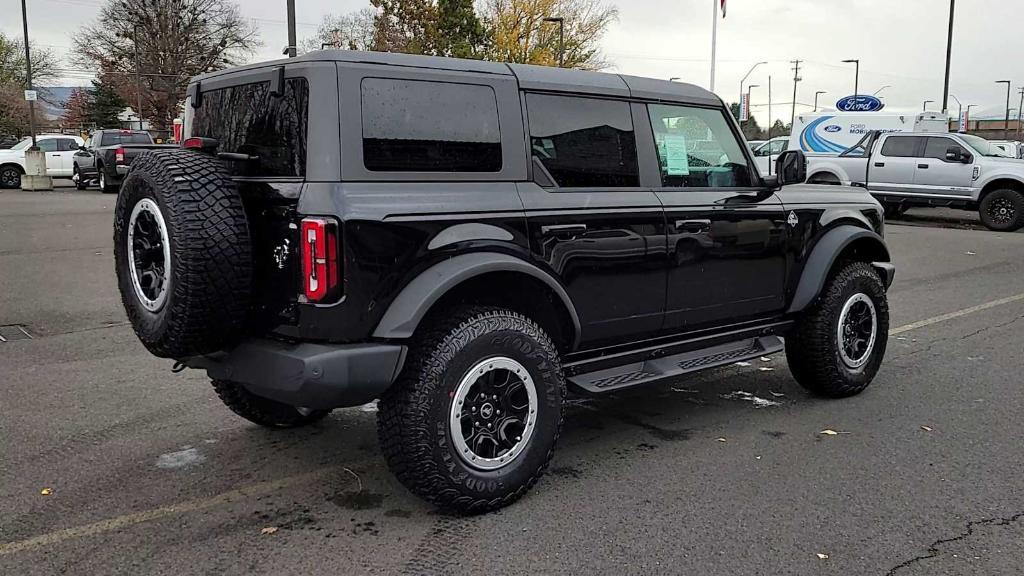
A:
(1020, 110)
(292, 41)
(796, 80)
(714, 43)
(138, 76)
(949, 57)
(1006, 124)
(28, 75)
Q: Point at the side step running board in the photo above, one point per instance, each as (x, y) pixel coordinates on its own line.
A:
(650, 371)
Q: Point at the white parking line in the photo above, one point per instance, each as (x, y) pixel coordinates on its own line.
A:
(957, 314)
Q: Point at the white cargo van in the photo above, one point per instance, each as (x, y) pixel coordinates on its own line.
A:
(831, 133)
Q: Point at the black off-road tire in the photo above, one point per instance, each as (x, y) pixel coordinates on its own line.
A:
(210, 269)
(264, 411)
(1002, 210)
(412, 423)
(812, 348)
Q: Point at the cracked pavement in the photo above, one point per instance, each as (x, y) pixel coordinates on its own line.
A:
(672, 479)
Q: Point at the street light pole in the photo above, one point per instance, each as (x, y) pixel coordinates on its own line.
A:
(879, 91)
(1006, 124)
(949, 57)
(292, 40)
(751, 71)
(749, 90)
(924, 108)
(959, 113)
(138, 76)
(968, 126)
(28, 75)
(856, 78)
(816, 94)
(561, 38)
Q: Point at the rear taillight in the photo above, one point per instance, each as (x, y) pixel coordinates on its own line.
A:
(321, 274)
(119, 155)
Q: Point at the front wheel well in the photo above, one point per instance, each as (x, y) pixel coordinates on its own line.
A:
(514, 291)
(824, 176)
(1000, 184)
(866, 249)
(21, 169)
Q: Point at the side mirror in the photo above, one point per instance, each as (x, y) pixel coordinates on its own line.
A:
(82, 148)
(791, 168)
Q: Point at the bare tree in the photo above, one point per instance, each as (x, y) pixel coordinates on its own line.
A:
(12, 63)
(352, 31)
(177, 39)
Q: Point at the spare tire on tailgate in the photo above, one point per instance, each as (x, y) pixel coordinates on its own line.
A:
(182, 253)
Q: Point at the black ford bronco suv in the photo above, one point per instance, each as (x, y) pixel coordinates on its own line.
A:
(470, 242)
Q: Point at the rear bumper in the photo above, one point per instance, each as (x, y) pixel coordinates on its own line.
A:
(307, 375)
(121, 170)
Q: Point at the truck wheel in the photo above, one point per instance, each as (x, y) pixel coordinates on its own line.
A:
(105, 186)
(264, 411)
(1003, 210)
(10, 177)
(182, 254)
(472, 421)
(838, 343)
(80, 182)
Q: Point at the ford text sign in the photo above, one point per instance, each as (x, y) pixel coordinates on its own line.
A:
(860, 104)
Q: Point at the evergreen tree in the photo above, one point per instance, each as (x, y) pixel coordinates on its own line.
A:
(106, 105)
(460, 33)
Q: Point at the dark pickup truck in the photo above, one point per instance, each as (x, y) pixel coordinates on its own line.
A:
(106, 156)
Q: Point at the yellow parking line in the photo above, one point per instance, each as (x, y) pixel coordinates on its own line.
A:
(957, 314)
(118, 522)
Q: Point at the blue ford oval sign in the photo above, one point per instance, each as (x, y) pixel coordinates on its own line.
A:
(833, 128)
(860, 104)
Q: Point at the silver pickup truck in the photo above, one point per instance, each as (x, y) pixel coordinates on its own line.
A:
(906, 169)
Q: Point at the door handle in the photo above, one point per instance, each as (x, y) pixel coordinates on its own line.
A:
(922, 166)
(693, 226)
(563, 230)
(879, 164)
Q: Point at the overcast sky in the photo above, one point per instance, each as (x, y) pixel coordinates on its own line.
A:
(901, 43)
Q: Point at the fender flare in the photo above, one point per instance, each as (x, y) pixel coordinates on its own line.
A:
(412, 303)
(823, 257)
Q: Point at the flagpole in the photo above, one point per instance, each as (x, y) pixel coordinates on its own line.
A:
(714, 43)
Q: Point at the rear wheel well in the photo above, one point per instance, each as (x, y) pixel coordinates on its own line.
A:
(514, 291)
(1001, 184)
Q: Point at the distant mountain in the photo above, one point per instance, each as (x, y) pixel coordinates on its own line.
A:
(52, 99)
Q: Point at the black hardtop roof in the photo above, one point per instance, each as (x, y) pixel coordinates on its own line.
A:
(540, 78)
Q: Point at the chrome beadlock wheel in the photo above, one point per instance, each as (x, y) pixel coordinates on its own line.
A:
(493, 413)
(857, 331)
(149, 254)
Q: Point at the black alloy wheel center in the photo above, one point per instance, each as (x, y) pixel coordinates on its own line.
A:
(858, 329)
(148, 253)
(495, 414)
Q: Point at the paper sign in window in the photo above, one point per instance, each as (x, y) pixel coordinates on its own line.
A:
(677, 162)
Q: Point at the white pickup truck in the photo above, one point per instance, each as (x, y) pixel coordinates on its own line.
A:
(917, 169)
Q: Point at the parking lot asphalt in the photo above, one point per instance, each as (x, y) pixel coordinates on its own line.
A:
(147, 473)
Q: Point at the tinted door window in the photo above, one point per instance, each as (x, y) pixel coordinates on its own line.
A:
(417, 126)
(246, 119)
(67, 144)
(49, 145)
(937, 147)
(583, 142)
(697, 148)
(901, 147)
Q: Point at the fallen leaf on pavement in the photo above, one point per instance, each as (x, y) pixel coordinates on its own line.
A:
(765, 359)
(822, 556)
(926, 428)
(743, 363)
(268, 530)
(766, 369)
(46, 491)
(971, 253)
(721, 439)
(832, 433)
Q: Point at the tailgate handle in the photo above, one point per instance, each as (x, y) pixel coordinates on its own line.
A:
(564, 230)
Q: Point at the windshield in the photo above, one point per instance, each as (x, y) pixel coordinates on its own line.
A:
(982, 146)
(23, 145)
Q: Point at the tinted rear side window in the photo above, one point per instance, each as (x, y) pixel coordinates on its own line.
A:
(112, 138)
(901, 147)
(419, 126)
(583, 142)
(246, 119)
